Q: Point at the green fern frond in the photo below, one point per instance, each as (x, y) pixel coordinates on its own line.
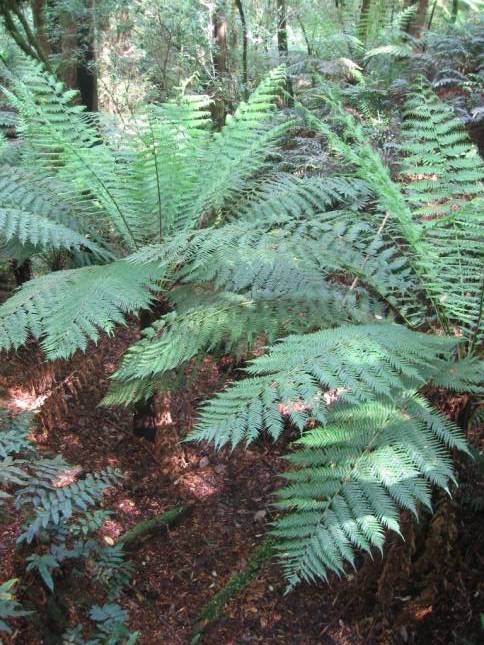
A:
(444, 176)
(66, 309)
(228, 323)
(353, 475)
(49, 502)
(302, 374)
(10, 608)
(29, 227)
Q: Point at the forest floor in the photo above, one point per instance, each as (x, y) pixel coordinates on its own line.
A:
(426, 589)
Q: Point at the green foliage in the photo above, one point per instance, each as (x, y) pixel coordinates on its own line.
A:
(370, 444)
(352, 476)
(351, 270)
(146, 185)
(65, 309)
(9, 607)
(110, 626)
(445, 251)
(300, 377)
(445, 174)
(59, 504)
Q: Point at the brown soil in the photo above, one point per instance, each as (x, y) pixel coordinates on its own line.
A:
(427, 589)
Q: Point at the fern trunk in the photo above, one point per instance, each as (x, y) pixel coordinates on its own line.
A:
(144, 417)
(22, 271)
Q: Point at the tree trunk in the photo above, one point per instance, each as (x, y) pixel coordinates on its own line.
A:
(245, 41)
(417, 23)
(220, 63)
(38, 17)
(282, 43)
(86, 69)
(455, 11)
(78, 55)
(362, 31)
(429, 24)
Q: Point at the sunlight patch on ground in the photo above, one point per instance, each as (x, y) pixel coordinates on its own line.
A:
(25, 401)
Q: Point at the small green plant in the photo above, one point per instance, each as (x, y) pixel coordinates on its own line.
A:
(58, 503)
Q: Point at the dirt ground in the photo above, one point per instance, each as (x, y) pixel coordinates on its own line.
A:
(427, 589)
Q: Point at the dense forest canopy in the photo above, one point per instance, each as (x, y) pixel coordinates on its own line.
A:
(241, 321)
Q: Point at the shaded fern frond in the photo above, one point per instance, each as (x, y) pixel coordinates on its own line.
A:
(29, 227)
(9, 607)
(49, 502)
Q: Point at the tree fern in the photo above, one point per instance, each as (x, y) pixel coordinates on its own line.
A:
(370, 443)
(144, 182)
(378, 447)
(445, 252)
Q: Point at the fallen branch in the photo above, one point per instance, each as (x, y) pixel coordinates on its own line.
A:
(237, 581)
(148, 526)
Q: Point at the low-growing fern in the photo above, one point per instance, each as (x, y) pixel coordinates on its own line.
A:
(59, 505)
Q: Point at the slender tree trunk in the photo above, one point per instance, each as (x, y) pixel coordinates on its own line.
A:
(455, 11)
(417, 24)
(68, 50)
(220, 62)
(245, 41)
(282, 42)
(305, 36)
(434, 6)
(38, 16)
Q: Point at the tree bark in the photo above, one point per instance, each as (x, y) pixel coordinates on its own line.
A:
(22, 271)
(417, 24)
(245, 42)
(282, 43)
(220, 63)
(78, 55)
(362, 30)
(38, 17)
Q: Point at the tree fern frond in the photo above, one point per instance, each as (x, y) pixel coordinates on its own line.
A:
(239, 150)
(444, 175)
(351, 478)
(302, 374)
(66, 309)
(61, 138)
(30, 227)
